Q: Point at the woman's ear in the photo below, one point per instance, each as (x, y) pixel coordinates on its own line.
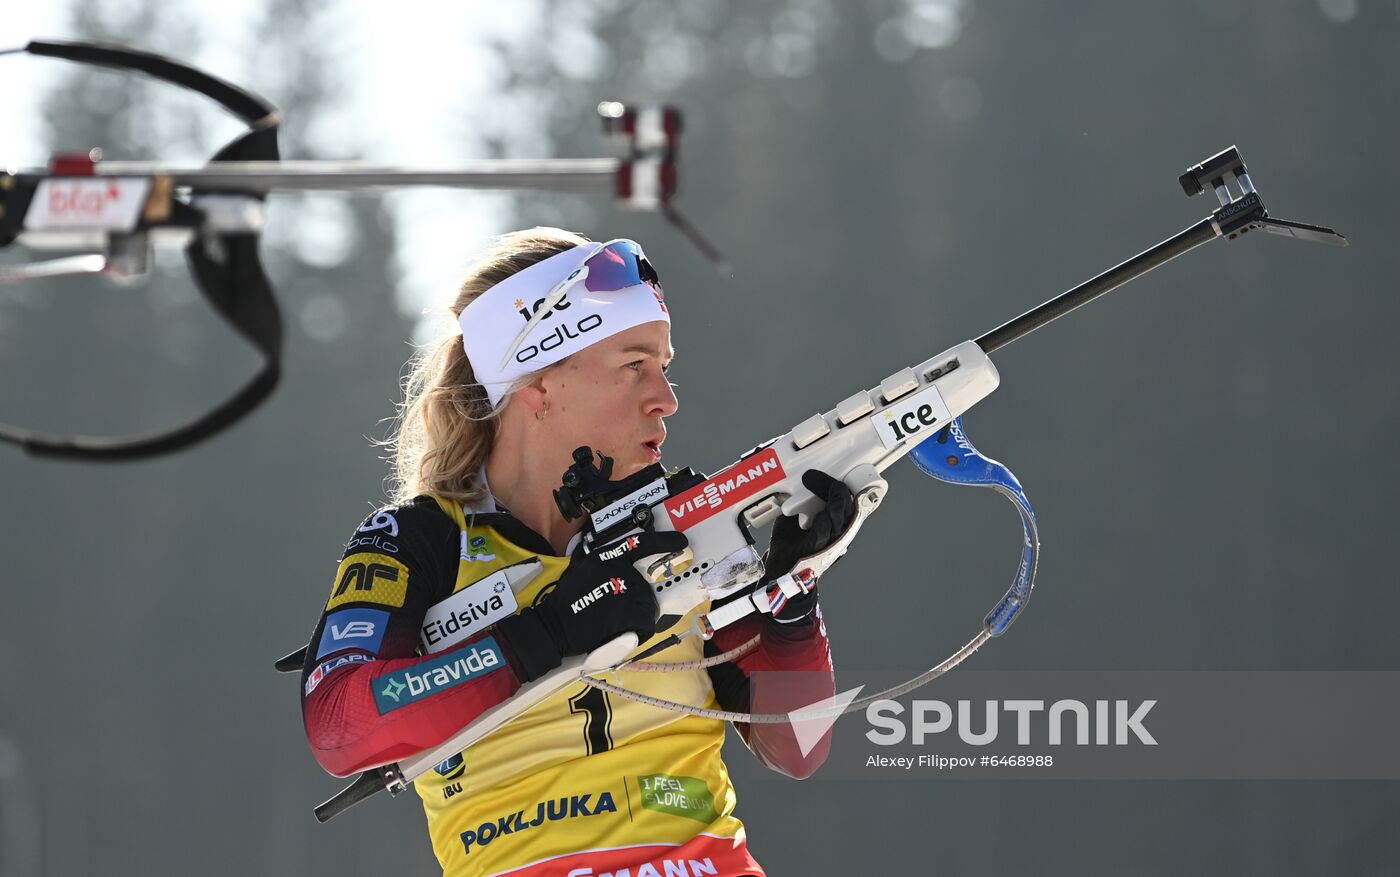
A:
(534, 396)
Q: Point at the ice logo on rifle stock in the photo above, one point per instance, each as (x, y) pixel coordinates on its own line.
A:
(911, 417)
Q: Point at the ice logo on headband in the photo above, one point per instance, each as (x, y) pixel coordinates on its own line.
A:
(527, 313)
(591, 292)
(560, 334)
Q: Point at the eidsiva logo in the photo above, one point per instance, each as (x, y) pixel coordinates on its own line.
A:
(412, 684)
(467, 612)
(353, 629)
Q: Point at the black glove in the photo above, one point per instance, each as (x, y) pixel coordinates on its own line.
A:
(790, 543)
(599, 597)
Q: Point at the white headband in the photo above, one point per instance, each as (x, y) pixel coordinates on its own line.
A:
(579, 318)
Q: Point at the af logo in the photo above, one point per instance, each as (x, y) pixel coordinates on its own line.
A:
(364, 576)
(370, 578)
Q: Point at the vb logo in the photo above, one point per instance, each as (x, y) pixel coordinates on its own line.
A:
(352, 630)
(364, 576)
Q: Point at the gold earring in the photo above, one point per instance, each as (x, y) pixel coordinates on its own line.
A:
(539, 415)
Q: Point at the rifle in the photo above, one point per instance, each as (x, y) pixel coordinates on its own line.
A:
(914, 411)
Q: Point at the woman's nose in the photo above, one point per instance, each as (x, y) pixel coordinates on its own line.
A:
(661, 400)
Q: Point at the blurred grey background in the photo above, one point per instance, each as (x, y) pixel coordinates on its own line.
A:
(1210, 449)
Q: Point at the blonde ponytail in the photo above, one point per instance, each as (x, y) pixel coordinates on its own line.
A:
(447, 428)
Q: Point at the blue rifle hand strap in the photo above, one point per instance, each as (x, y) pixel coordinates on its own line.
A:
(950, 457)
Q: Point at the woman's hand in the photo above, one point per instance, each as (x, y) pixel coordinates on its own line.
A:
(600, 596)
(790, 543)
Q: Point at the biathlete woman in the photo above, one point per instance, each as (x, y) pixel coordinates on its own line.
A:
(421, 634)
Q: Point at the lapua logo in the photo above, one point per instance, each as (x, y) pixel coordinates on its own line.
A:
(742, 480)
(322, 671)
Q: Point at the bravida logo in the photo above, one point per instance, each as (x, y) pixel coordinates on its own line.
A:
(353, 629)
(743, 479)
(399, 689)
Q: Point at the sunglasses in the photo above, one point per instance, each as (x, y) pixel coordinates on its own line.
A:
(612, 267)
